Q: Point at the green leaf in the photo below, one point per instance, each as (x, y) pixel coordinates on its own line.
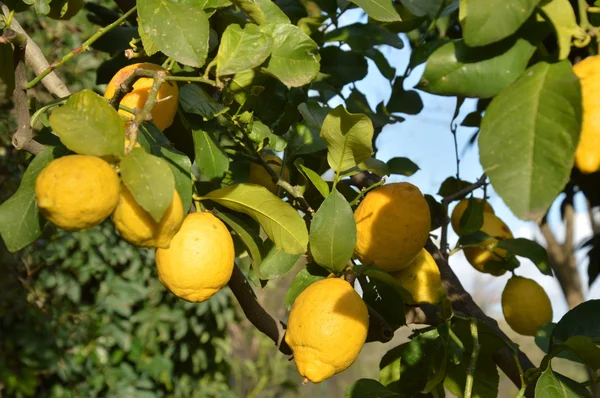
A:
(306, 137)
(281, 222)
(149, 47)
(404, 101)
(375, 273)
(529, 249)
(87, 125)
(151, 138)
(276, 263)
(210, 158)
(561, 16)
(294, 57)
(437, 211)
(333, 233)
(194, 99)
(585, 348)
(455, 69)
(402, 166)
(20, 221)
(492, 21)
(425, 7)
(242, 49)
(451, 185)
(472, 218)
(306, 277)
(369, 388)
(248, 237)
(385, 300)
(261, 131)
(7, 73)
(339, 67)
(262, 11)
(179, 29)
(582, 320)
(382, 63)
(381, 10)
(348, 137)
(363, 37)
(553, 385)
(316, 179)
(150, 180)
(529, 135)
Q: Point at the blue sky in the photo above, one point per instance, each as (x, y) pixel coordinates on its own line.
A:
(426, 139)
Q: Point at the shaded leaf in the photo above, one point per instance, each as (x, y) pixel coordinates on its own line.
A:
(276, 262)
(402, 166)
(212, 161)
(582, 320)
(369, 388)
(562, 17)
(553, 385)
(341, 67)
(381, 10)
(451, 185)
(404, 101)
(307, 276)
(382, 63)
(528, 249)
(363, 37)
(194, 99)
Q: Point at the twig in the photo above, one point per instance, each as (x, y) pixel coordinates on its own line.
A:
(582, 6)
(474, 356)
(36, 60)
(22, 139)
(84, 47)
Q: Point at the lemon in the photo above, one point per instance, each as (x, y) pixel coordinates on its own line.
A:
(422, 279)
(260, 176)
(488, 258)
(327, 328)
(77, 192)
(199, 260)
(525, 305)
(392, 225)
(460, 208)
(587, 156)
(164, 110)
(137, 226)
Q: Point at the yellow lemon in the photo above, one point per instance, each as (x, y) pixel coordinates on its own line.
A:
(460, 208)
(525, 305)
(327, 328)
(488, 259)
(164, 110)
(422, 279)
(260, 176)
(77, 191)
(392, 225)
(137, 226)
(587, 156)
(199, 260)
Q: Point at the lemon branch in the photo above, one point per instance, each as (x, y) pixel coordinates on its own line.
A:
(474, 357)
(84, 47)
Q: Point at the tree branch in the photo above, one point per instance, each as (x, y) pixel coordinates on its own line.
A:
(36, 60)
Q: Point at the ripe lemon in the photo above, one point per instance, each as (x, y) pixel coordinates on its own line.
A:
(392, 225)
(525, 305)
(260, 176)
(460, 208)
(77, 191)
(137, 226)
(327, 328)
(199, 260)
(587, 156)
(489, 260)
(422, 279)
(164, 110)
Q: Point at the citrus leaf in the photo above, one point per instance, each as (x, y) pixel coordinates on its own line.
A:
(250, 240)
(455, 69)
(402, 166)
(582, 320)
(586, 351)
(562, 17)
(262, 11)
(316, 179)
(276, 262)
(333, 233)
(150, 180)
(20, 221)
(339, 67)
(363, 37)
(87, 125)
(149, 47)
(374, 273)
(382, 63)
(282, 224)
(553, 385)
(294, 57)
(385, 300)
(429, 8)
(369, 388)
(451, 185)
(210, 158)
(529, 249)
(529, 135)
(472, 218)
(155, 142)
(306, 277)
(380, 10)
(488, 22)
(242, 49)
(179, 29)
(348, 137)
(194, 99)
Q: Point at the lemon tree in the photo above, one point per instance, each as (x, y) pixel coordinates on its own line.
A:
(231, 140)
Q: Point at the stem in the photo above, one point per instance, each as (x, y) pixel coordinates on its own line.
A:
(583, 17)
(432, 24)
(363, 191)
(195, 79)
(474, 356)
(521, 393)
(44, 108)
(84, 47)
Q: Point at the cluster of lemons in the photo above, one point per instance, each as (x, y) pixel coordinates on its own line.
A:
(525, 304)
